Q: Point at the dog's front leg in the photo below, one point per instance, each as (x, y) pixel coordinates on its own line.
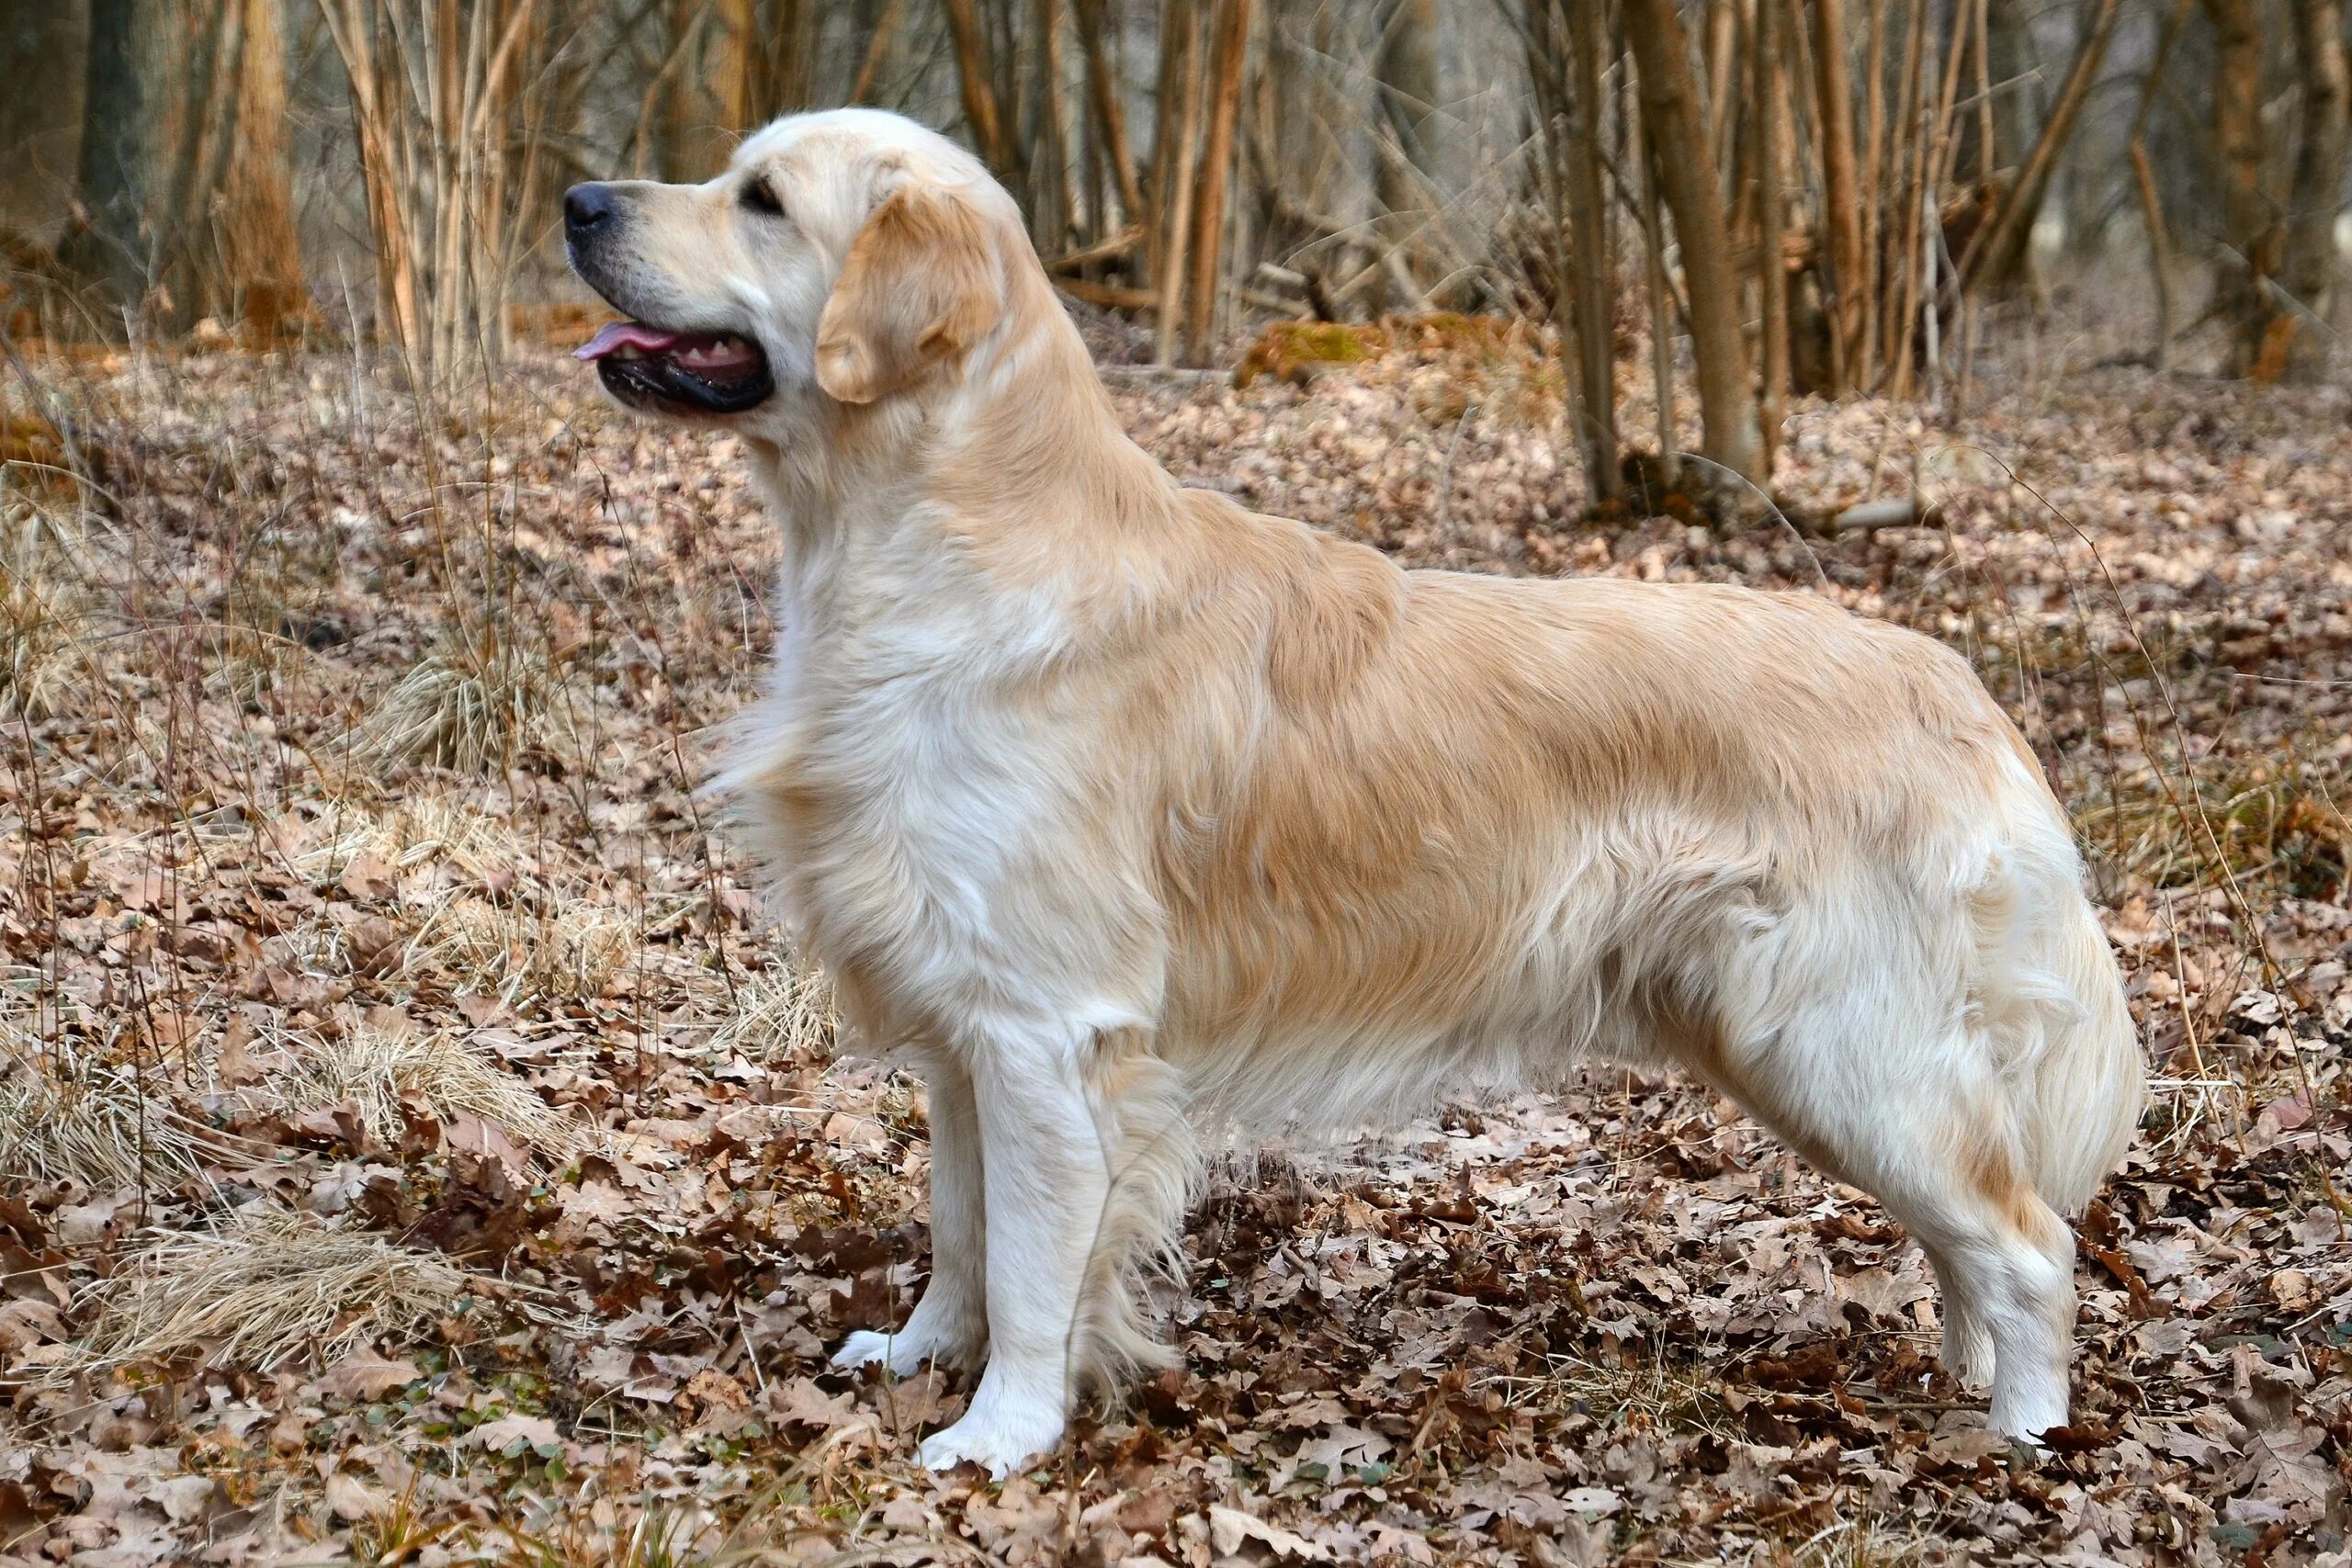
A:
(950, 1324)
(1046, 1182)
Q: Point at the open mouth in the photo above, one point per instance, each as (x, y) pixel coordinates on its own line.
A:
(710, 373)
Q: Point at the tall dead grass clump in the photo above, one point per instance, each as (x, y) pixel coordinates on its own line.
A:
(785, 1014)
(478, 699)
(381, 1071)
(95, 1125)
(263, 1287)
(574, 954)
(46, 605)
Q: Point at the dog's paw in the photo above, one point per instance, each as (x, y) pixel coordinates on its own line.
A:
(998, 1442)
(865, 1348)
(904, 1353)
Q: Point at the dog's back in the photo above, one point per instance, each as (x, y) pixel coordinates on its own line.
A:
(1801, 855)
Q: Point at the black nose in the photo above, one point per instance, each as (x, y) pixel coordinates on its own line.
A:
(587, 209)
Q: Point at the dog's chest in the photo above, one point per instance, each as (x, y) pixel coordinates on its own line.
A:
(908, 804)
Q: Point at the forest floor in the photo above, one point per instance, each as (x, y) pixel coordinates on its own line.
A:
(414, 1148)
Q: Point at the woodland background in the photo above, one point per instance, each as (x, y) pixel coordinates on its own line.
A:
(414, 1145)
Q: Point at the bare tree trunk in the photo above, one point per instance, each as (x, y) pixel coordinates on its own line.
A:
(1047, 154)
(965, 27)
(877, 50)
(1873, 195)
(1406, 69)
(1110, 113)
(1661, 292)
(1230, 39)
(1894, 253)
(680, 115)
(109, 243)
(1589, 255)
(38, 130)
(261, 258)
(1913, 293)
(2008, 40)
(1180, 119)
(1839, 196)
(2251, 229)
(1687, 165)
(1719, 48)
(2311, 269)
(1771, 266)
(2144, 175)
(1999, 247)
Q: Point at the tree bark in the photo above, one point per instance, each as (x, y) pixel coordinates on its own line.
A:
(259, 278)
(2249, 227)
(1686, 169)
(2009, 42)
(2144, 177)
(1231, 41)
(1771, 269)
(1406, 69)
(1589, 255)
(2312, 267)
(1110, 112)
(1999, 248)
(1840, 194)
(39, 131)
(108, 246)
(1179, 136)
(980, 107)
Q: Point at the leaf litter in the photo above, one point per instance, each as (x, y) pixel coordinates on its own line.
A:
(418, 1148)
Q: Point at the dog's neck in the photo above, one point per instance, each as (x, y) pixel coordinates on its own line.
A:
(1015, 461)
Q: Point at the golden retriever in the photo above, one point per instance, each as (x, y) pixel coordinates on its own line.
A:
(1131, 814)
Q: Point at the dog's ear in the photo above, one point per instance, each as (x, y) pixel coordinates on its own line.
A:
(921, 285)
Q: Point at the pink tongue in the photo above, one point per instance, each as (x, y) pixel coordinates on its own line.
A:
(613, 334)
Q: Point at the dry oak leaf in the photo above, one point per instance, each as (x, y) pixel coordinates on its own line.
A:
(468, 1134)
(1020, 1527)
(351, 1500)
(511, 1434)
(800, 1401)
(1228, 1527)
(365, 1375)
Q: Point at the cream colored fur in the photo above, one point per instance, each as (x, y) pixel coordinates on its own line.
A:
(1132, 814)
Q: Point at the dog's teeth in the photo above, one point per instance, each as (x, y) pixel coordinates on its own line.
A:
(627, 351)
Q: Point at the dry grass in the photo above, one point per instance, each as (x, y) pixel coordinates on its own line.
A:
(263, 1288)
(1863, 1542)
(785, 1015)
(425, 829)
(515, 952)
(477, 700)
(658, 1535)
(96, 1125)
(45, 605)
(381, 1070)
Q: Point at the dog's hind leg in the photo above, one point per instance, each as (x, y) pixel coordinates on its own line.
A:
(1929, 1132)
(950, 1324)
(1967, 1349)
(1154, 1160)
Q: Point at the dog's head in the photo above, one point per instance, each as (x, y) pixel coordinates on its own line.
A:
(849, 257)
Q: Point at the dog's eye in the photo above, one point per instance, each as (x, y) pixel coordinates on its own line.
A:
(760, 199)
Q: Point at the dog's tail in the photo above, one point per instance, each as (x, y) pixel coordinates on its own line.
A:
(2089, 1083)
(2052, 1003)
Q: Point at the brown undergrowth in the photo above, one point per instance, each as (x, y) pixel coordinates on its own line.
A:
(414, 1146)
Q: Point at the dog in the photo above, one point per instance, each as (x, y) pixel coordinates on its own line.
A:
(1133, 816)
